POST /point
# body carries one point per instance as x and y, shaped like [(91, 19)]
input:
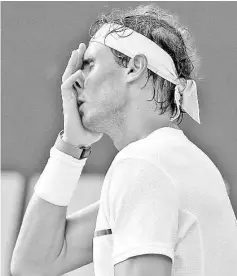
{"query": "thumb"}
[(69, 96), (74, 93)]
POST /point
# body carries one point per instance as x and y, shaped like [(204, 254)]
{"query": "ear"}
[(137, 66)]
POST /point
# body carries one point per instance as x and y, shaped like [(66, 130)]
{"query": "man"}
[(164, 209)]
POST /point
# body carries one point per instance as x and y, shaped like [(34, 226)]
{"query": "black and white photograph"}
[(118, 138)]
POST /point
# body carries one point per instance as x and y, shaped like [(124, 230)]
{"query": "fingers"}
[(77, 76), (67, 85), (75, 61), (81, 51), (70, 67)]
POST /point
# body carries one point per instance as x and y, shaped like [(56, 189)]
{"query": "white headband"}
[(130, 43)]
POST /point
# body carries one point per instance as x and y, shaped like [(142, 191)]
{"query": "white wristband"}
[(58, 181)]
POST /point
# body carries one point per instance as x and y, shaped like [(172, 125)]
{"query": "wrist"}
[(78, 152), (59, 179), (69, 142)]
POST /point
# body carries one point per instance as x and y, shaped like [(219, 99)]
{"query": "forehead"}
[(98, 51)]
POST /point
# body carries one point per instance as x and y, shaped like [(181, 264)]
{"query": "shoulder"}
[(133, 175)]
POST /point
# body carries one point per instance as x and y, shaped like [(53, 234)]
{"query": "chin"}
[(90, 121)]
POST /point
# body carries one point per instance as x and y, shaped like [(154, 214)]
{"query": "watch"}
[(79, 152)]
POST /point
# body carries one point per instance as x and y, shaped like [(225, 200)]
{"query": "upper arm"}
[(149, 265), (77, 250)]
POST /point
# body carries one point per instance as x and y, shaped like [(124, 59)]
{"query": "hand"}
[(74, 132)]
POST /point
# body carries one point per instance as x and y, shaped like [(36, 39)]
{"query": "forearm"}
[(42, 234), (41, 237)]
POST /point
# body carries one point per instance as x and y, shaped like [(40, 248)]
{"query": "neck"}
[(137, 121), (173, 125), (127, 134)]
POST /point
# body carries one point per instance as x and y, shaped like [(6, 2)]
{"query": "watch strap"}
[(78, 152)]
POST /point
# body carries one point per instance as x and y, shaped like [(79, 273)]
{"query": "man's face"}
[(104, 88)]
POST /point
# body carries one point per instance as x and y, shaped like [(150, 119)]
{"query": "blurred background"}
[(37, 41)]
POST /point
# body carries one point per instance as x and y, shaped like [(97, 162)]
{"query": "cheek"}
[(93, 80), (103, 82)]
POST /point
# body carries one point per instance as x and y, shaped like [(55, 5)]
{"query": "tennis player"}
[(164, 209)]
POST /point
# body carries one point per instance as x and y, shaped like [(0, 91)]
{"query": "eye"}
[(88, 65)]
